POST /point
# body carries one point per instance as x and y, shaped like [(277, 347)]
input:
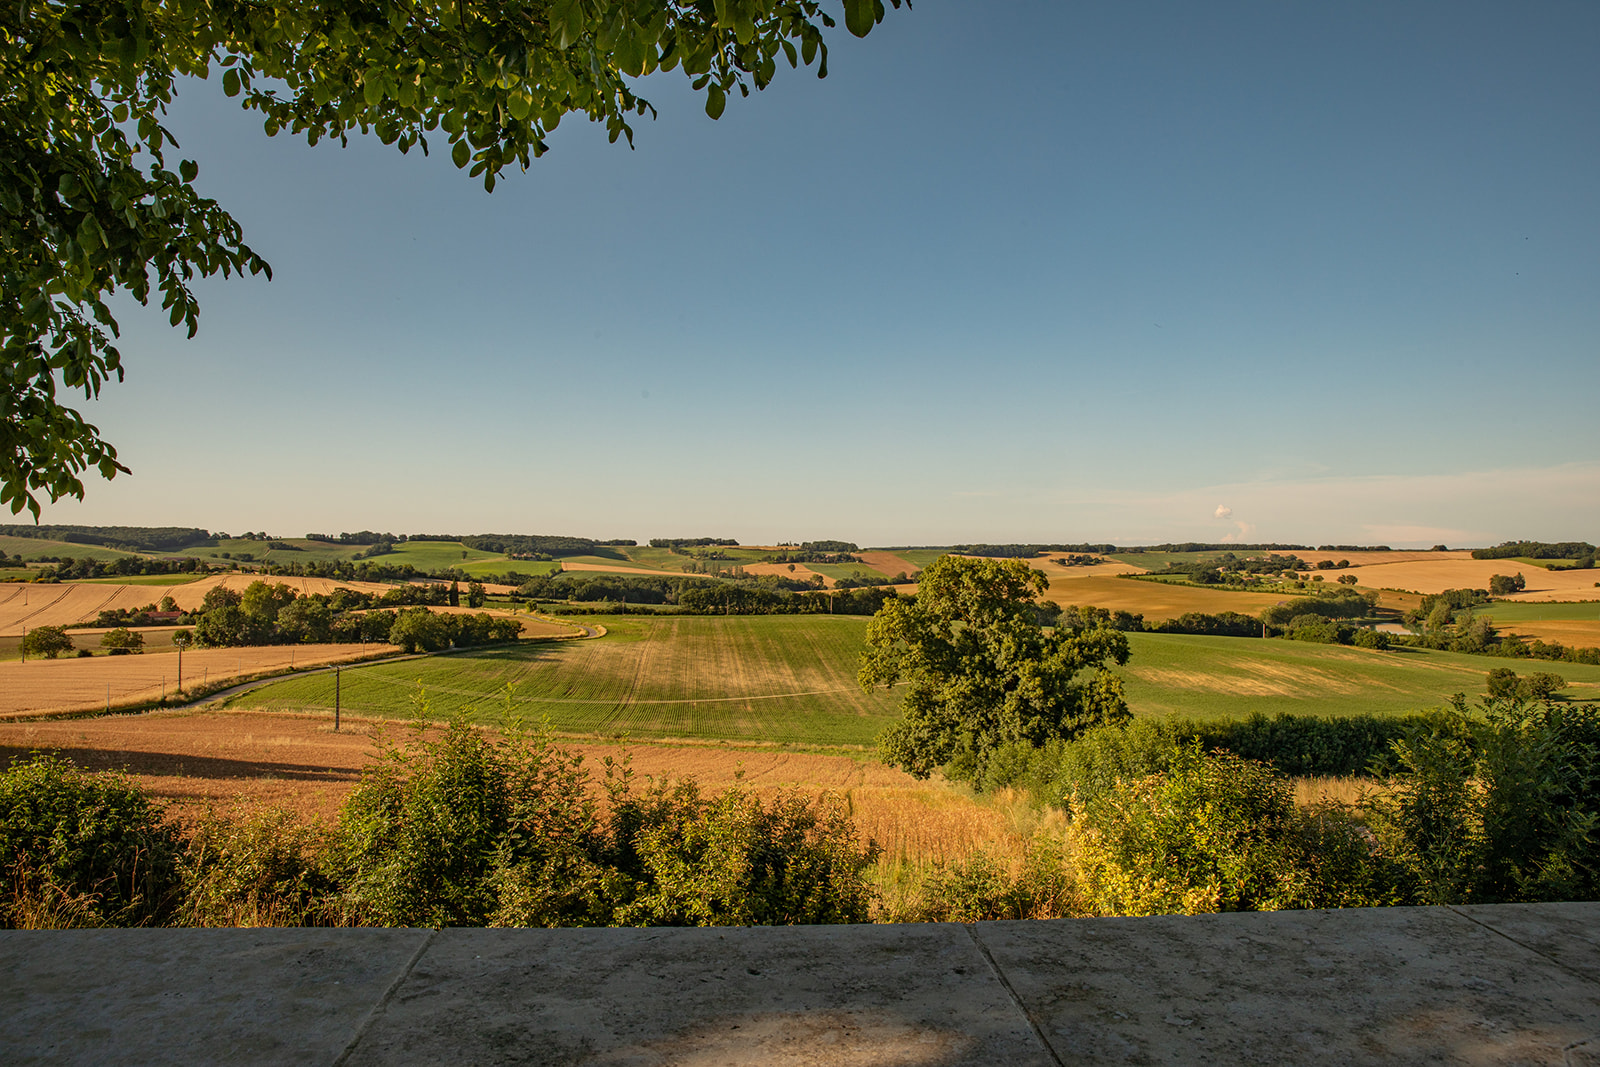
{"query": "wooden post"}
[(335, 699)]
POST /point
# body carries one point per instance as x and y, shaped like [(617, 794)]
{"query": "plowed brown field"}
[(64, 685)]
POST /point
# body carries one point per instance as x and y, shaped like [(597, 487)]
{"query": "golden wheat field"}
[(888, 564), (1435, 576), (788, 570), (1368, 559), (70, 684), (31, 606), (1153, 600), (1577, 633)]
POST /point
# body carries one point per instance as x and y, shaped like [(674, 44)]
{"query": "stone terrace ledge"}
[(1508, 984)]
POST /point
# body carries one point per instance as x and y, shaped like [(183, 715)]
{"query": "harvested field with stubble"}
[(39, 687), (1156, 601), (1437, 575), (775, 679), (31, 606)]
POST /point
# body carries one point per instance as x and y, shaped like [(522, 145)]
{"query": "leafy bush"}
[(731, 860), (1374, 639), (1500, 807), (464, 829), (81, 849), (1309, 745), (1215, 832), (121, 641)]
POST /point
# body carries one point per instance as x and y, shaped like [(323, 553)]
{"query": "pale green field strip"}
[(30, 547), (775, 679), (1232, 677)]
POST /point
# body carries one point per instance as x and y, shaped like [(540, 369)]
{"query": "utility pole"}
[(336, 699)]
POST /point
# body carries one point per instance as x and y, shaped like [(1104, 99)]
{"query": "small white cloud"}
[(1224, 511)]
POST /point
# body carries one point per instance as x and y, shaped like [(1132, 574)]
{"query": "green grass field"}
[(791, 680), (773, 679), (34, 547), (494, 568)]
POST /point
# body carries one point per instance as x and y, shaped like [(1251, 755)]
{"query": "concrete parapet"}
[(1507, 984)]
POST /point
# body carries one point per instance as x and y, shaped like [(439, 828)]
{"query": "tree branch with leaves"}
[(89, 206)]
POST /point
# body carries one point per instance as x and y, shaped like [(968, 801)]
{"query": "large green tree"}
[(90, 207), (981, 672)]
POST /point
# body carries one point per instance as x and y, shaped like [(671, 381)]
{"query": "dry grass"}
[(66, 685), (1310, 792), (608, 568)]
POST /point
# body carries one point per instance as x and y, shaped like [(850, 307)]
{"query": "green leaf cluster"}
[(90, 205)]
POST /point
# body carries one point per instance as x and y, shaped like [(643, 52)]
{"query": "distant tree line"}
[(361, 537), (808, 555), (768, 594), (125, 538), (1576, 550), (68, 569), (1230, 567), (692, 542), (266, 614)]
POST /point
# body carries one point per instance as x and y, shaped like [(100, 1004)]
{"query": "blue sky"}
[(1013, 272)]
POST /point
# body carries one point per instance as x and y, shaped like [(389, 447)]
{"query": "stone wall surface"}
[(1504, 984)]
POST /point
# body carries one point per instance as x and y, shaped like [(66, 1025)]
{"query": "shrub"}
[(1374, 639), (121, 641), (1501, 807), (1215, 832), (731, 860), (81, 849), (462, 829)]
